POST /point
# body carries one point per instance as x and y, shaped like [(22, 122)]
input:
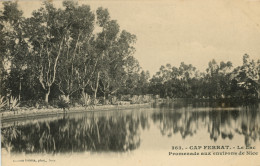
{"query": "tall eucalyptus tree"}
[(74, 70), (48, 32)]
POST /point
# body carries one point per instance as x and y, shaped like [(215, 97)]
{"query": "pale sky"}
[(192, 31)]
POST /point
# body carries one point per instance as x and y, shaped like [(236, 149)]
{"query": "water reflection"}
[(121, 131), (222, 123), (79, 133)]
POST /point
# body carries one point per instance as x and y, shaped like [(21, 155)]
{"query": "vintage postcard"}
[(130, 82)]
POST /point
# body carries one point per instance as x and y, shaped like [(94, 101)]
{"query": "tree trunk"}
[(104, 98), (20, 89), (47, 95), (83, 90), (96, 89)]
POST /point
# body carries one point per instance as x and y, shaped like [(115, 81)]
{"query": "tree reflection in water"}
[(77, 134), (120, 131), (187, 118)]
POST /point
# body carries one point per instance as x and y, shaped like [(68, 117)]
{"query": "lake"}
[(160, 135)]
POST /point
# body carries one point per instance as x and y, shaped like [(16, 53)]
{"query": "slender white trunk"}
[(96, 89), (47, 95)]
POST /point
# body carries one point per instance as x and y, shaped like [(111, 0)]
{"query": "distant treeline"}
[(219, 81), (70, 50)]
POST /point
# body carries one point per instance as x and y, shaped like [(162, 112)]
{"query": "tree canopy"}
[(70, 50)]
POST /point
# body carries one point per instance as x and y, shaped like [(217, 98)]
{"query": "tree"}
[(48, 31), (225, 70), (113, 49), (132, 69), (213, 87), (101, 45), (247, 77), (114, 75), (142, 83), (14, 48), (73, 70), (186, 73)]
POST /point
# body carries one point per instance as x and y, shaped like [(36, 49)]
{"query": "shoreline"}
[(234, 99), (50, 112)]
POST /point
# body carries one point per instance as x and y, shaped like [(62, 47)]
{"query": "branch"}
[(93, 89), (59, 85), (56, 61), (41, 80), (49, 62), (114, 91), (92, 72)]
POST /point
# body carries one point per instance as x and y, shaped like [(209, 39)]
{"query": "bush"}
[(113, 100), (147, 98), (13, 103), (63, 102), (125, 98), (85, 100), (3, 103), (134, 99), (106, 102), (96, 101), (140, 99)]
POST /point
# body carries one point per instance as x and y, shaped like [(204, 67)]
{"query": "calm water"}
[(133, 132)]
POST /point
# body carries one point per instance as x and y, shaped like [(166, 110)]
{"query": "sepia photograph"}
[(130, 82)]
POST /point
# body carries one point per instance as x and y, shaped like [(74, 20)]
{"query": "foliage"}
[(113, 100), (126, 97), (85, 99), (140, 99), (61, 47), (74, 70), (64, 102), (219, 81), (64, 51), (13, 103), (95, 101), (147, 98), (3, 102), (135, 99)]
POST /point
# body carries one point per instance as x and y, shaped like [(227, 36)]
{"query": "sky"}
[(190, 31)]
